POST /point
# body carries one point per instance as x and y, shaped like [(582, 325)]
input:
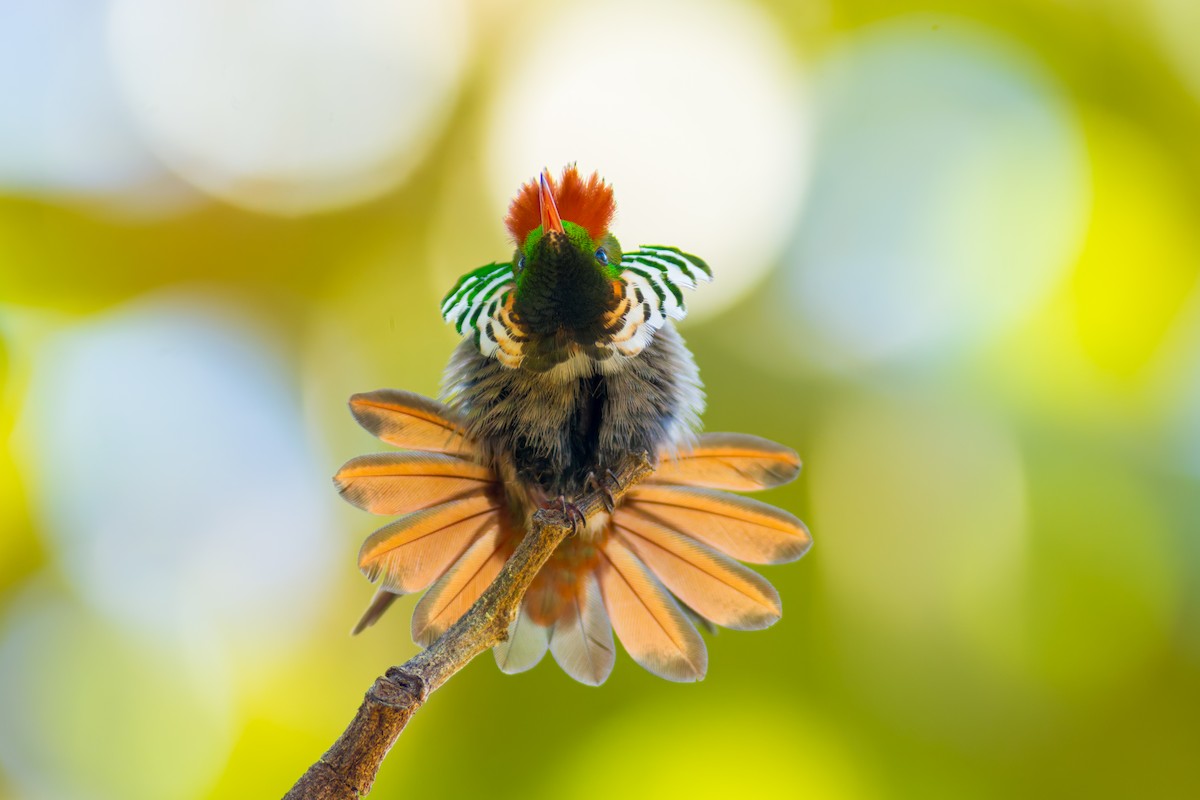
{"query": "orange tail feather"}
[(646, 619)]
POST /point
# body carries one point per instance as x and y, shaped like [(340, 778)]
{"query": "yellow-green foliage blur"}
[(956, 250)]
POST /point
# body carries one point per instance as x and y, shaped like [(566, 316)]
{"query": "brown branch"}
[(348, 769)]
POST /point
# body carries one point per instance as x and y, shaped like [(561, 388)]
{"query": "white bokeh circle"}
[(65, 128), (694, 112), (950, 195), (289, 106), (170, 467)]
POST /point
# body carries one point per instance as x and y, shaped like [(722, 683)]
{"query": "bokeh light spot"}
[(173, 475), (289, 106), (65, 127), (950, 195)]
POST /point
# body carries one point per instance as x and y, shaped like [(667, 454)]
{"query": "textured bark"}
[(348, 769)]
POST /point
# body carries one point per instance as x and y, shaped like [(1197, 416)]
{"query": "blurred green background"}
[(956, 254)]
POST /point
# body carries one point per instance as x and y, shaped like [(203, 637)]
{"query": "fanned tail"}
[(666, 562), (525, 647), (681, 528), (380, 603), (410, 421), (456, 590), (745, 529), (416, 549), (445, 499), (735, 462), (400, 483), (713, 585), (647, 620), (582, 639)]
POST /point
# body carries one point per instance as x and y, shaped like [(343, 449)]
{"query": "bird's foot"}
[(612, 476), (572, 512), (592, 482)]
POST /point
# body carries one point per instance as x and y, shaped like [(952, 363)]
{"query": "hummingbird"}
[(569, 361)]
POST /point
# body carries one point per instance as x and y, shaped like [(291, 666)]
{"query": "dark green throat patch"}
[(564, 287)]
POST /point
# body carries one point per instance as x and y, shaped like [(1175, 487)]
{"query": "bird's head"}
[(569, 288), (566, 263)]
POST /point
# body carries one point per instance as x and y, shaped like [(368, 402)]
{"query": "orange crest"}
[(589, 204)]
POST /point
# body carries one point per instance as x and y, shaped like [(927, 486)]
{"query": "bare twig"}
[(348, 769)]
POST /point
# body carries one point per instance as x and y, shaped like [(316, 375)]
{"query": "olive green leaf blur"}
[(955, 260)]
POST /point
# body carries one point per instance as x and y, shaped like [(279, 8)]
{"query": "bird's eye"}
[(601, 255), (521, 263)]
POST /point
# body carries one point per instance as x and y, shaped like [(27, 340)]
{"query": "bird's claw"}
[(593, 482), (572, 513)]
